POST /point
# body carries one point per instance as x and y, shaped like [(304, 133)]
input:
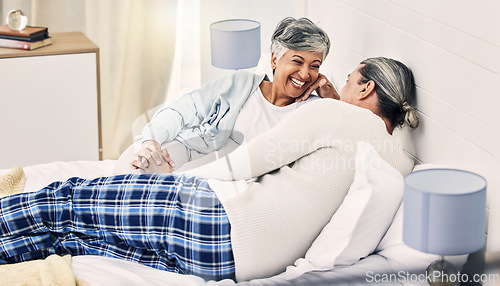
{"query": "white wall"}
[(7, 5), (72, 17), (267, 12), (453, 49)]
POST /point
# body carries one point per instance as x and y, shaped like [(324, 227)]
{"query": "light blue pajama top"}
[(204, 118)]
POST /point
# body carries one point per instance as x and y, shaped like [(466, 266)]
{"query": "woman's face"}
[(295, 71), (352, 88)]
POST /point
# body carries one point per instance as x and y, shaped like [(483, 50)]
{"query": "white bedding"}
[(391, 254)]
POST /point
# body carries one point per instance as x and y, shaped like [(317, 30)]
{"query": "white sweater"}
[(303, 168)]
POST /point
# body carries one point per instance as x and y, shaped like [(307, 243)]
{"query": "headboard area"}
[(454, 51)]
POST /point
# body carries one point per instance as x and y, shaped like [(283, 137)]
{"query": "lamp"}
[(444, 214), (235, 43)]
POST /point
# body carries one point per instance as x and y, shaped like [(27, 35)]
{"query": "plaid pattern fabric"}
[(169, 222)]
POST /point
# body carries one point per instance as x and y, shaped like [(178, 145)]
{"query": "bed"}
[(362, 243), (413, 32)]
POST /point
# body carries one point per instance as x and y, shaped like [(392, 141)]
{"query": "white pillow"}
[(361, 221)]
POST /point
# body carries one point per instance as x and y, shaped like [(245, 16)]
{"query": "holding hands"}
[(152, 158)]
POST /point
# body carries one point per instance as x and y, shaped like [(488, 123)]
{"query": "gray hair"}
[(395, 87), (300, 35)]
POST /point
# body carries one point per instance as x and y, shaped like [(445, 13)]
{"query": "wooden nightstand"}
[(50, 102)]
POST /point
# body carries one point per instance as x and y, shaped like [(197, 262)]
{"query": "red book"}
[(30, 33), (24, 45)]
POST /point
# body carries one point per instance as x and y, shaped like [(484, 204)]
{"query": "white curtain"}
[(136, 40)]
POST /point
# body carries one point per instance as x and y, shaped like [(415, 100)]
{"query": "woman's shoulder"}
[(335, 112), (239, 80), (247, 75), (331, 105), (237, 76)]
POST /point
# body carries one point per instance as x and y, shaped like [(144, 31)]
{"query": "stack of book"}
[(29, 38)]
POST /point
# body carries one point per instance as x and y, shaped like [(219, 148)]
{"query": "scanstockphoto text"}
[(408, 277)]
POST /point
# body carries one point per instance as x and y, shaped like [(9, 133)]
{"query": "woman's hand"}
[(155, 168), (151, 150), (323, 87)]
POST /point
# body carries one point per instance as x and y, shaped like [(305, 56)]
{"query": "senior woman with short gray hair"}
[(231, 111)]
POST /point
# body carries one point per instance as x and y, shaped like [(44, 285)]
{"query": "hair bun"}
[(406, 106), (411, 118)]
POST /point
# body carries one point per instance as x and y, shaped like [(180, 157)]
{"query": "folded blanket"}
[(53, 270), (12, 182)]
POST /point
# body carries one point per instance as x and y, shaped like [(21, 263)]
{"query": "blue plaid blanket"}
[(169, 222)]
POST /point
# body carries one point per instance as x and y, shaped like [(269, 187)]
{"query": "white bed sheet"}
[(108, 271), (113, 272), (40, 175)]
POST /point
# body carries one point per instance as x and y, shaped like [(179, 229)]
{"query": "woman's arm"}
[(304, 131), (214, 105), (187, 111), (169, 120), (166, 123)]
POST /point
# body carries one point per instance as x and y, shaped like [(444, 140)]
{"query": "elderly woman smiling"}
[(231, 111)]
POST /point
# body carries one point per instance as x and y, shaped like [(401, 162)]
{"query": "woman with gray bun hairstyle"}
[(230, 111), (394, 85)]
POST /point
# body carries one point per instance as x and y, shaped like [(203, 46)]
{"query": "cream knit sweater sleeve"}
[(290, 140)]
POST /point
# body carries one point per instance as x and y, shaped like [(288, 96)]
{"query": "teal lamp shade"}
[(444, 211), (235, 43)]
